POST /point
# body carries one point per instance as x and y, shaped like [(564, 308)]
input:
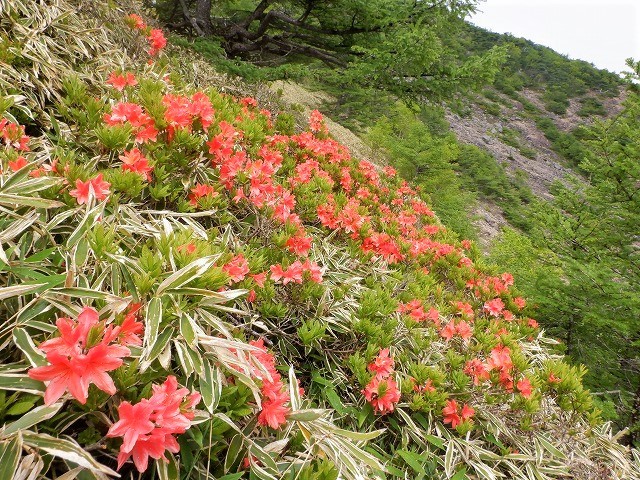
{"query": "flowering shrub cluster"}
[(306, 301), (149, 426), (83, 354)]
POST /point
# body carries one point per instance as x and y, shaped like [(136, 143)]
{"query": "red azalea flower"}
[(237, 268), (449, 330), (500, 359), (464, 330), (524, 387), (119, 82), (260, 278), (427, 387), (18, 163), (382, 394), (494, 307), (476, 370), (553, 378), (134, 422), (467, 412), (520, 302), (94, 188), (382, 365), (157, 41), (450, 413), (137, 21), (75, 373), (273, 414), (134, 161), (300, 245), (200, 191), (148, 427)]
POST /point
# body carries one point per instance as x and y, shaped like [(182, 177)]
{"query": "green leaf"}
[(25, 343), (234, 452), (35, 416), (187, 330), (89, 219), (232, 476), (549, 447), (449, 458), (66, 449), (78, 292), (168, 470), (414, 460), (153, 319), (433, 440), (18, 408), (306, 415), (188, 273), (211, 386), (334, 400), (460, 475), (163, 339), (20, 382), (15, 290), (22, 201), (10, 456)]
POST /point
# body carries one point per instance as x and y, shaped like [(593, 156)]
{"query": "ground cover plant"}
[(192, 289)]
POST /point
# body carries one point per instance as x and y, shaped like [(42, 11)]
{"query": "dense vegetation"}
[(396, 45), (529, 65), (414, 137), (194, 288), (582, 256)]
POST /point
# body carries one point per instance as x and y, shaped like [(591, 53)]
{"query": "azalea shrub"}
[(191, 289)]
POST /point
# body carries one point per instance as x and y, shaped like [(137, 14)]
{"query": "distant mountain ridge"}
[(529, 120)]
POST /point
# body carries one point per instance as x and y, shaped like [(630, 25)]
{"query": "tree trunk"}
[(203, 16)]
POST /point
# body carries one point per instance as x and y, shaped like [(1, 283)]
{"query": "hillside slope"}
[(194, 288)]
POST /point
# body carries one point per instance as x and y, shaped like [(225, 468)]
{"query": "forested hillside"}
[(198, 281)]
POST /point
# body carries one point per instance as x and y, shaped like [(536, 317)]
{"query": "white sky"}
[(603, 32)]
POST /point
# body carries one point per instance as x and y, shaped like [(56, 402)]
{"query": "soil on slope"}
[(293, 94)]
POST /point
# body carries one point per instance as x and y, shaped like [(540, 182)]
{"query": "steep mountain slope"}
[(517, 143), (528, 119), (194, 288)]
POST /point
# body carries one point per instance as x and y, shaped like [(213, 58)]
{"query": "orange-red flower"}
[(494, 307), (382, 365), (134, 161), (237, 268), (454, 415), (120, 81), (450, 413), (200, 191), (156, 41), (382, 394), (18, 163), (73, 364), (148, 427), (524, 387), (476, 370), (94, 188)]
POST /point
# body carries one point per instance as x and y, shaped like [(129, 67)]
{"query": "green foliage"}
[(555, 100), (428, 160), (565, 144), (397, 46), (591, 106), (189, 258), (535, 66), (578, 263)]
